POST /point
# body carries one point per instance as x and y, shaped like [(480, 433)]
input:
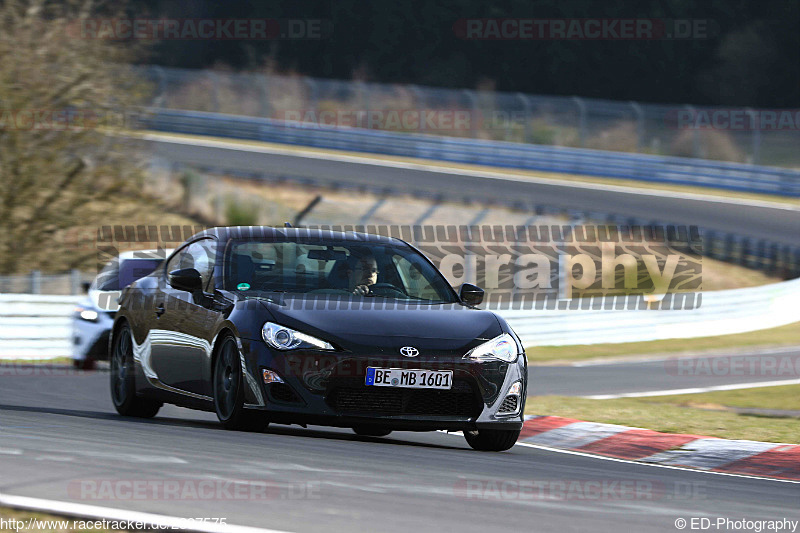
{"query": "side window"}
[(200, 256), (416, 284), (175, 262)]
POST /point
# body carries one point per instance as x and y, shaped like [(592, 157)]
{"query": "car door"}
[(181, 337)]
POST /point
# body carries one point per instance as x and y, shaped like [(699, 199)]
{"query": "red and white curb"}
[(764, 459)]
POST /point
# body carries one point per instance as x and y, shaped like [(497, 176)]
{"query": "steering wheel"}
[(386, 289)]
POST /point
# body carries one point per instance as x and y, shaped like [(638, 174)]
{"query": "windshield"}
[(335, 268), (118, 275)]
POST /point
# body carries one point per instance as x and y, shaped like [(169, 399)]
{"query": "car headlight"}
[(504, 348), (87, 314), (283, 338)]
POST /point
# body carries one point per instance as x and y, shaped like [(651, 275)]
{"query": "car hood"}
[(380, 323)]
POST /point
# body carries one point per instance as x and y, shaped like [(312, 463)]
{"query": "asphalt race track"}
[(61, 439), (757, 221), (594, 378), (59, 435)]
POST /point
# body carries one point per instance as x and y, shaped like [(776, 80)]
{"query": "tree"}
[(62, 98)]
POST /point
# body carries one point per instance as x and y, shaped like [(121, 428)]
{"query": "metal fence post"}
[(266, 108), (695, 132), (36, 282), (74, 281), (363, 97), (756, 134), (581, 120), (214, 90), (526, 104), (419, 103), (637, 109), (473, 100), (158, 101), (313, 95)]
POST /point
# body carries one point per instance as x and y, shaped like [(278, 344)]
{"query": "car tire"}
[(492, 440), (229, 391), (84, 364), (367, 431), (123, 380)]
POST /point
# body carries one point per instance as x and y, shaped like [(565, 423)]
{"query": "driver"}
[(362, 272)]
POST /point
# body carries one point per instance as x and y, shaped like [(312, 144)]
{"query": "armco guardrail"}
[(662, 169), (721, 313), (33, 326)]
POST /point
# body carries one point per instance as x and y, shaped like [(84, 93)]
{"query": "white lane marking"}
[(57, 458), (653, 465), (698, 355), (695, 390), (295, 467), (109, 513), (10, 451), (465, 172), (134, 458)]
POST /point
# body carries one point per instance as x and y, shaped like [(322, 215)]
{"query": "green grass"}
[(55, 361), (783, 336), (785, 397), (674, 414)]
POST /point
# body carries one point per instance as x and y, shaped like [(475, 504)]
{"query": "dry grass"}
[(788, 335)]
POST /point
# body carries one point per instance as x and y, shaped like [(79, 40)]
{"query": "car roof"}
[(307, 235)]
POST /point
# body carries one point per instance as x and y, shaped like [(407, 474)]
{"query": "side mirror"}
[(86, 285), (470, 294), (186, 279)]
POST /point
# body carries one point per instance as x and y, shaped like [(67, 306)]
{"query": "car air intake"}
[(460, 401), (509, 405)]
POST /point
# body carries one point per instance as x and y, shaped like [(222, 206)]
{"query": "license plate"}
[(409, 379)]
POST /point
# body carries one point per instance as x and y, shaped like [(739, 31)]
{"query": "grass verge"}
[(23, 361), (706, 414), (788, 335)]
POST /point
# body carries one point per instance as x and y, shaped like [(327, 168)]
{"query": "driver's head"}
[(362, 269)]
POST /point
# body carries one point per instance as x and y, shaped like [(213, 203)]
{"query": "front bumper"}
[(326, 388), (90, 338)]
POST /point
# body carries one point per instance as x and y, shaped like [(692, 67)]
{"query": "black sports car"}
[(295, 326)]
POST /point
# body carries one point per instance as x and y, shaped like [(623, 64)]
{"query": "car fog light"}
[(516, 388), (271, 377)]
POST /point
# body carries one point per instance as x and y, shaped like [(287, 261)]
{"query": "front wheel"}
[(123, 380), (492, 440), (229, 391)]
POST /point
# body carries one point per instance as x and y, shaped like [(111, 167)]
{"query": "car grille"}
[(509, 405), (460, 401)]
